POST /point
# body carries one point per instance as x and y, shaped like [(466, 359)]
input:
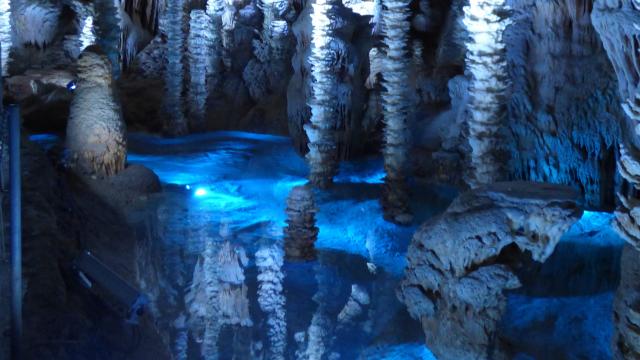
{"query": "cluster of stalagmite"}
[(486, 63), (618, 24), (396, 104), (301, 232), (171, 23), (458, 263), (200, 61), (96, 134), (322, 156)]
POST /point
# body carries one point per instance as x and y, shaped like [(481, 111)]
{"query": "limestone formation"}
[(36, 23), (459, 263), (617, 24), (396, 106), (486, 62), (96, 134), (323, 151), (200, 60), (171, 23), (301, 232)]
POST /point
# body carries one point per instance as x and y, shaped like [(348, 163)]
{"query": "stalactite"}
[(200, 46), (269, 260), (396, 104), (486, 21), (322, 156), (171, 24), (301, 231), (214, 10), (108, 27), (36, 23), (96, 135)]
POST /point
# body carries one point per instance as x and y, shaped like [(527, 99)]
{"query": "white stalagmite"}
[(233, 301), (396, 102), (171, 24), (214, 11), (269, 260), (486, 63), (96, 134), (200, 61), (322, 156)]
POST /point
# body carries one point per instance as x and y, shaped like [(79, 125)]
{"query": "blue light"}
[(71, 86), (201, 192), (188, 187)]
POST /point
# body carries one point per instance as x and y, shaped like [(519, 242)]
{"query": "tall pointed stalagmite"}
[(396, 102), (486, 63), (322, 156)]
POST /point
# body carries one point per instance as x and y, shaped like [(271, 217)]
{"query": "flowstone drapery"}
[(486, 21), (396, 106)]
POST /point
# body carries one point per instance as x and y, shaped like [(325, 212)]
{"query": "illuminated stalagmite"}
[(172, 25), (486, 63), (458, 264), (396, 109), (200, 61), (96, 134), (617, 23), (322, 156)]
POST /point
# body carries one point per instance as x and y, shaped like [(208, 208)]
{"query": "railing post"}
[(16, 231)]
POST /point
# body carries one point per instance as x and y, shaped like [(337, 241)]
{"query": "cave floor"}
[(241, 181)]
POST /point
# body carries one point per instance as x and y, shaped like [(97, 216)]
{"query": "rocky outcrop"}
[(459, 264), (96, 134), (301, 232)]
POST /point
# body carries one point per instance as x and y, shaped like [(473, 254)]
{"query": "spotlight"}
[(71, 86), (201, 192), (188, 187)]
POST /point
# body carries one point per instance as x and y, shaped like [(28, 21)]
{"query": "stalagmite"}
[(171, 23), (85, 35), (301, 232), (486, 63), (396, 105), (228, 28), (459, 263), (96, 134), (322, 156), (200, 61)]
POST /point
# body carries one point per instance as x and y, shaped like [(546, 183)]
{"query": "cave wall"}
[(564, 112)]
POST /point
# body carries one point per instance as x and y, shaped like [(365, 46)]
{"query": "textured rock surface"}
[(563, 107), (459, 263), (626, 307), (96, 134), (301, 232)]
